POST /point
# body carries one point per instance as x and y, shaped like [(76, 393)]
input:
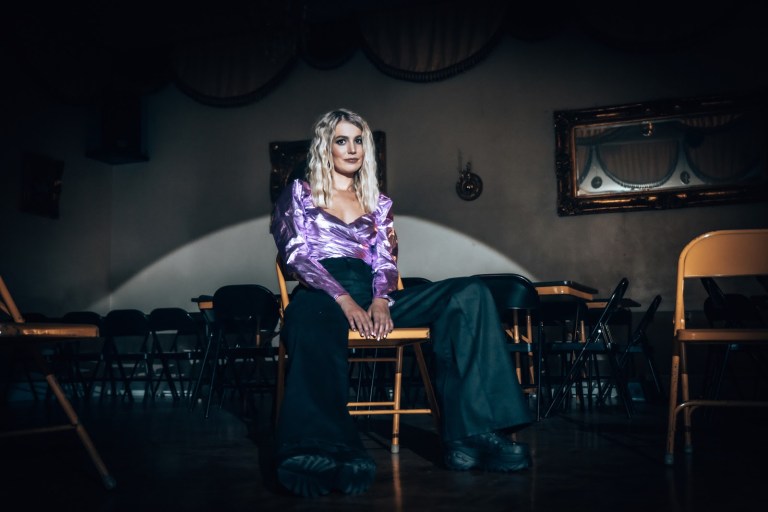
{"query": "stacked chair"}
[(126, 354), (245, 319), (583, 361), (177, 346)]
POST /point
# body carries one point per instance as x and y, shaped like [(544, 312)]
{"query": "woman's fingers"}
[(356, 316), (374, 323), (382, 321)]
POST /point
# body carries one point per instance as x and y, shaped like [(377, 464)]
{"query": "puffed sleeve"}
[(384, 265), (289, 230)]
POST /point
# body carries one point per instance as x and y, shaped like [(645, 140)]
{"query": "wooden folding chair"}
[(727, 253), (396, 341), (30, 338)]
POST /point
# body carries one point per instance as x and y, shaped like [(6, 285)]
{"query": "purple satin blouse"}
[(306, 234)]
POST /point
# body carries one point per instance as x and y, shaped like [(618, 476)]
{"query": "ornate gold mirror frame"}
[(662, 154)]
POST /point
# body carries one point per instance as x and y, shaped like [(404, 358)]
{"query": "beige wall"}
[(194, 216)]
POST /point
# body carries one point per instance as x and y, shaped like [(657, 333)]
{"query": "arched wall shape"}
[(245, 253)]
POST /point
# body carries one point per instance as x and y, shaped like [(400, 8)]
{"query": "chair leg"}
[(539, 372), (652, 370), (429, 391), (672, 415), (685, 397), (397, 389), (214, 364), (280, 384), (575, 369), (195, 393), (165, 371), (621, 384), (107, 479)]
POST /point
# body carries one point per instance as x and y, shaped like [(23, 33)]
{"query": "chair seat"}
[(407, 334), (722, 335), (48, 330)]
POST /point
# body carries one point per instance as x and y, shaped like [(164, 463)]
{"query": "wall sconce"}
[(470, 186)]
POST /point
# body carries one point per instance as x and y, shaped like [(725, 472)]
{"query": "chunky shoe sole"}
[(355, 474), (464, 460), (308, 475), (501, 466)]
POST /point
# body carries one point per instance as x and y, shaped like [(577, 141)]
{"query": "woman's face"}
[(347, 148)]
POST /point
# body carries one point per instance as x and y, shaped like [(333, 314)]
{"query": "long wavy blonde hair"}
[(320, 158)]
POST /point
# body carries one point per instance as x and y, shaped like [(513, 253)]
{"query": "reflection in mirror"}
[(661, 155)]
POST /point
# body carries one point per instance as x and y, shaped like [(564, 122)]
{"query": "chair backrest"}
[(726, 253), (126, 322), (246, 305), (175, 323), (642, 326), (126, 331), (410, 282), (510, 292), (601, 329), (172, 319), (83, 317), (282, 282)]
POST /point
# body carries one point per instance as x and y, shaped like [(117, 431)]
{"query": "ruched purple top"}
[(306, 234)]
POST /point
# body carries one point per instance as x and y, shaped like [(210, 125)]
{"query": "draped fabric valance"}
[(432, 41), (233, 52), (417, 41)]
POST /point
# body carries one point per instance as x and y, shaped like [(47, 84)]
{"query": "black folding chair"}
[(177, 356), (85, 356), (245, 319), (638, 344), (728, 310), (517, 303), (126, 351), (599, 341)]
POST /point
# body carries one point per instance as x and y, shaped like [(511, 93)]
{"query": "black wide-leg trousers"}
[(475, 380)]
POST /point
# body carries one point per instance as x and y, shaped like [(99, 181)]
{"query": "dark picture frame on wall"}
[(289, 161), (662, 154)]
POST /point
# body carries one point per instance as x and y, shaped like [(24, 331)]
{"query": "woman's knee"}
[(470, 285)]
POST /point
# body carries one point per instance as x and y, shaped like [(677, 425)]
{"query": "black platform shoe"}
[(308, 472), (490, 451), (356, 471)]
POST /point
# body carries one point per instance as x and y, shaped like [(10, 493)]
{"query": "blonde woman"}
[(335, 234)]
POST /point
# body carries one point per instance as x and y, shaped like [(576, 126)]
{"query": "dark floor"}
[(166, 457)]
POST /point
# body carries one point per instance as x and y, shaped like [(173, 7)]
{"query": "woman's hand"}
[(382, 321), (374, 323), (358, 318)]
